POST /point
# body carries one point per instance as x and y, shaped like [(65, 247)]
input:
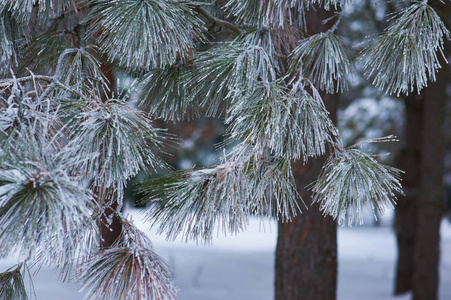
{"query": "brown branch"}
[(217, 21)]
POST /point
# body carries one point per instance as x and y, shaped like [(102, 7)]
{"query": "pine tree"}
[(70, 142)]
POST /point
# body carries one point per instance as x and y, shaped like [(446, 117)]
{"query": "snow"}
[(241, 267)]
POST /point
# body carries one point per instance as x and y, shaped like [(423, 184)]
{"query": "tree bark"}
[(419, 214), (306, 255), (110, 224), (431, 200), (409, 161)]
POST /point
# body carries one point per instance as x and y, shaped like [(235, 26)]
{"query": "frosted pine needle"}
[(47, 9), (165, 91), (196, 203), (324, 59), (12, 285), (127, 273), (271, 13), (328, 4), (276, 13), (145, 34), (229, 71), (352, 179), (404, 57), (8, 35), (226, 71), (124, 140), (292, 124), (39, 192), (130, 270)]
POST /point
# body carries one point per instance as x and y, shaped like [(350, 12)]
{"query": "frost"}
[(292, 124), (132, 31), (324, 59), (406, 55), (351, 179), (133, 272)]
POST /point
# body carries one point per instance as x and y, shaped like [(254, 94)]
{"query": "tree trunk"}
[(409, 161), (306, 255), (431, 200), (110, 224), (419, 214)]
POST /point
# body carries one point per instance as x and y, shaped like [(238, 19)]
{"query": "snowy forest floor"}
[(242, 267)]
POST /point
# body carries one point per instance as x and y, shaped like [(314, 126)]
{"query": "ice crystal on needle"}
[(406, 55), (196, 203), (129, 270), (324, 59), (351, 179), (291, 124), (44, 198)]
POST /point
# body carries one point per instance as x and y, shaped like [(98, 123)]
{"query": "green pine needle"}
[(324, 59), (12, 286), (352, 179), (404, 57), (291, 124), (123, 139), (145, 34)]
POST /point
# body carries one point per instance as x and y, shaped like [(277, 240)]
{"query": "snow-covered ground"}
[(242, 267)]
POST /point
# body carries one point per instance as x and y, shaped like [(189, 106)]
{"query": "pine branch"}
[(9, 82), (405, 56), (167, 94), (54, 83), (142, 35), (267, 13), (324, 59), (12, 285), (216, 77), (73, 76), (351, 179), (9, 40), (133, 271), (38, 188), (124, 139), (291, 124), (128, 273), (196, 203), (216, 21)]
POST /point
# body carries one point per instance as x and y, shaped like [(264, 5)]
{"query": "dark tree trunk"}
[(431, 200), (306, 255), (110, 224), (409, 161), (419, 214)]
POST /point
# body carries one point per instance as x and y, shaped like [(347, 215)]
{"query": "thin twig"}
[(5, 83), (217, 21), (335, 26), (71, 90), (59, 64), (385, 139)]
